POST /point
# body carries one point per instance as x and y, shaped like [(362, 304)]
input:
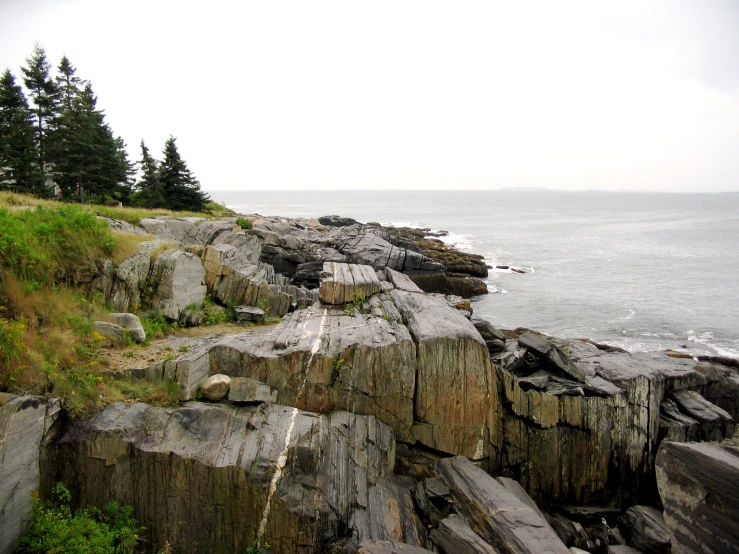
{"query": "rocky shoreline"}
[(380, 415)]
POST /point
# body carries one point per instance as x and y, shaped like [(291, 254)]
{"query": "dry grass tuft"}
[(126, 245)]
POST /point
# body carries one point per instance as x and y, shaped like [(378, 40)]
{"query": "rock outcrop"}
[(23, 422), (582, 424), (213, 478), (699, 486)]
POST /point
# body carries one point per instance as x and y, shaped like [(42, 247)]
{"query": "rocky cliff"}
[(373, 416)]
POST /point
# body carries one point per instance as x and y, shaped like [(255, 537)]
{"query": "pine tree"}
[(43, 94), (89, 161), (149, 192), (18, 156), (180, 188)]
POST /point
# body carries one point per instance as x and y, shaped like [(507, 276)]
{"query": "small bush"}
[(157, 326), (55, 527), (244, 223)]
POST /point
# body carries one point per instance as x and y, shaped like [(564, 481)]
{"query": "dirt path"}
[(123, 357)]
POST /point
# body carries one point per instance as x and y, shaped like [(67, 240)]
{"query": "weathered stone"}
[(199, 476), (324, 359), (129, 289), (123, 226), (646, 530), (179, 281), (345, 283), (456, 402), (132, 324), (249, 313), (496, 515), (715, 423), (250, 390), (699, 487), (216, 387), (110, 331), (23, 421), (571, 532), (389, 547), (675, 425), (401, 281), (487, 331), (337, 221), (599, 447), (549, 351), (191, 318), (454, 535)]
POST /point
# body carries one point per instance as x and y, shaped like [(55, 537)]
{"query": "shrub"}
[(244, 223), (55, 527)]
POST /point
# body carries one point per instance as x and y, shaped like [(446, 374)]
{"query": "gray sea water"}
[(639, 270)]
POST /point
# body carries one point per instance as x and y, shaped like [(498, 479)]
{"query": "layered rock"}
[(582, 424), (699, 487), (234, 275), (213, 478), (23, 422), (405, 357), (494, 514), (345, 283)]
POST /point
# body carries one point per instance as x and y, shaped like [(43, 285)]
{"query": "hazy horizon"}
[(576, 95)]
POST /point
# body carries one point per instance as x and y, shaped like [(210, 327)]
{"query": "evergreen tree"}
[(18, 156), (89, 161), (43, 94), (149, 192), (180, 188)]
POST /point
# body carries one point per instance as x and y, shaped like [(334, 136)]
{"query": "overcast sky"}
[(620, 95)]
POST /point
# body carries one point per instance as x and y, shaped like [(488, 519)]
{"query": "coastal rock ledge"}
[(379, 417)]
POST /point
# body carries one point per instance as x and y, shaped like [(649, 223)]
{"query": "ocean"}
[(643, 271)]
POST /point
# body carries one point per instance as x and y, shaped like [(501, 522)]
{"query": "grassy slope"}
[(47, 345)]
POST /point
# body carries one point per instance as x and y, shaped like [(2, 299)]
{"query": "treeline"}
[(60, 145)]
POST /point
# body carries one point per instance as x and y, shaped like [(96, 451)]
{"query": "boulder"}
[(497, 516), (345, 283), (110, 331), (214, 477), (216, 387), (249, 314), (178, 280), (646, 530), (699, 487), (337, 221), (132, 324)]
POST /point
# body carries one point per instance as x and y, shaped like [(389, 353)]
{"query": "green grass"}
[(49, 246)]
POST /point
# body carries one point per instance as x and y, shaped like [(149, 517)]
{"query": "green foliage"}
[(244, 223), (180, 188), (18, 157), (46, 246), (55, 527), (157, 326), (43, 92)]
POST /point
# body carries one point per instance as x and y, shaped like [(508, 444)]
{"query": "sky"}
[(404, 94)]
